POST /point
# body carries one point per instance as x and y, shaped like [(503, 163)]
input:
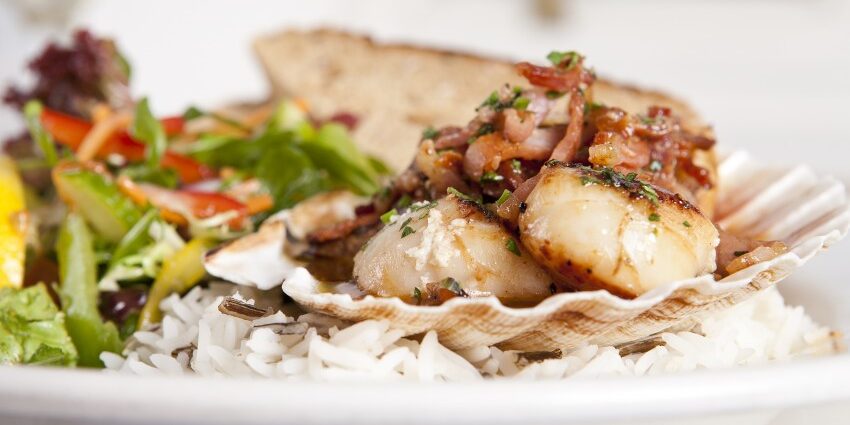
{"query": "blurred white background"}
[(773, 76)]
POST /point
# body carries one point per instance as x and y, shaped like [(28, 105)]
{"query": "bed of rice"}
[(194, 337)]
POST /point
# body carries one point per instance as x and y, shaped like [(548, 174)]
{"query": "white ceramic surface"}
[(746, 396)]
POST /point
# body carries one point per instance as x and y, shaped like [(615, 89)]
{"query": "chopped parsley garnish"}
[(417, 295), (498, 103), (516, 166), (406, 231), (654, 217), (511, 245), (589, 180), (423, 206), (506, 194), (521, 103), (453, 285), (686, 223), (404, 201), (492, 100), (485, 128), (592, 106), (740, 253), (557, 58), (430, 133), (388, 216), (553, 94), (490, 177), (646, 120), (460, 195), (610, 177), (655, 165)]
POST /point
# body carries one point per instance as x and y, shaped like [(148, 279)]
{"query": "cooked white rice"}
[(194, 337)]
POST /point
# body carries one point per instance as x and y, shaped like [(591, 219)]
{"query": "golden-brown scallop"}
[(597, 229), (450, 238)]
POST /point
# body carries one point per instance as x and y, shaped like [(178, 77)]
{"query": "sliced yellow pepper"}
[(12, 225), (179, 273)]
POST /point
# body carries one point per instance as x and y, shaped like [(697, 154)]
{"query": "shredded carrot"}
[(259, 203), (137, 195), (100, 112), (100, 134), (129, 188)]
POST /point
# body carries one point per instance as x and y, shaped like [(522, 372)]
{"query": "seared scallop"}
[(598, 229), (449, 244)]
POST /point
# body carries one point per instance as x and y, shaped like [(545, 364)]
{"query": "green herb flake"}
[(646, 120), (610, 177), (568, 59), (686, 223), (417, 295), (654, 217), (592, 106), (149, 130), (649, 193), (430, 133), (511, 245), (387, 217), (521, 103), (491, 100), (506, 194), (491, 177), (453, 285), (423, 206), (406, 231), (553, 94), (588, 180), (404, 201), (516, 166), (460, 195), (485, 128)]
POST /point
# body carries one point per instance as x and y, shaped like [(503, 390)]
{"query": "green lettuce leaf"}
[(32, 330)]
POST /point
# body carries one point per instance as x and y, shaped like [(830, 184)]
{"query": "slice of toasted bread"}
[(399, 90)]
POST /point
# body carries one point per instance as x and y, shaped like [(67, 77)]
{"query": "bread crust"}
[(397, 90)]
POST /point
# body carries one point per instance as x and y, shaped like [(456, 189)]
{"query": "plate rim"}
[(40, 392)]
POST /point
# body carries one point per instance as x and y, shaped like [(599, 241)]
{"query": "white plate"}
[(751, 396)]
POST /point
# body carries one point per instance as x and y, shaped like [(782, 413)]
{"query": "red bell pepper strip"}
[(70, 131), (175, 204)]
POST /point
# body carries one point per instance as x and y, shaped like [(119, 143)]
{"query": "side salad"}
[(106, 209)]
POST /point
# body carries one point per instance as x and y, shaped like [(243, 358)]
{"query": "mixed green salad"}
[(106, 209)]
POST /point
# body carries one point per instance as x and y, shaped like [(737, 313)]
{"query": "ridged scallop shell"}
[(807, 212)]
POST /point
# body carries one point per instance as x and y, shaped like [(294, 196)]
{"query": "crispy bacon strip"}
[(556, 79), (567, 148)]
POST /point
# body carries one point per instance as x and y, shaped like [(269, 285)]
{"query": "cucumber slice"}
[(97, 199)]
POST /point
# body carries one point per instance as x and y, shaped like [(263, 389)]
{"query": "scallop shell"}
[(807, 212)]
